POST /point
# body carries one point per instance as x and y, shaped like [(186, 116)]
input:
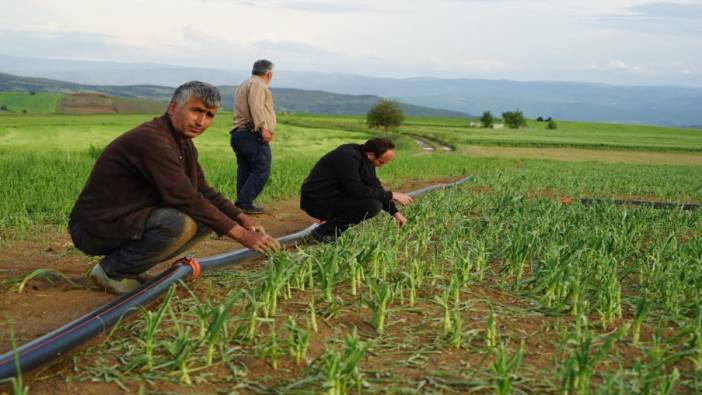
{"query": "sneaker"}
[(115, 286), (252, 210)]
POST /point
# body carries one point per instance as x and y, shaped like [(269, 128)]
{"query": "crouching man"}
[(147, 200), (343, 188)]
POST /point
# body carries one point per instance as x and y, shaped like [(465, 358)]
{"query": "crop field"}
[(16, 102), (457, 132), (506, 284), (82, 103), (56, 153)]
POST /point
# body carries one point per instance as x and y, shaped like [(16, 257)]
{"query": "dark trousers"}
[(167, 233), (253, 160), (340, 215)]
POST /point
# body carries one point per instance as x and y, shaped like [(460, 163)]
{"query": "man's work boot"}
[(115, 286), (144, 277), (322, 238)]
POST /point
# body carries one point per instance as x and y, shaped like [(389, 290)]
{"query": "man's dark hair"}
[(207, 93), (378, 146), (261, 67)]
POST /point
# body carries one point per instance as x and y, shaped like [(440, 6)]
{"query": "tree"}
[(487, 119), (386, 114), (540, 119), (551, 125), (514, 119)]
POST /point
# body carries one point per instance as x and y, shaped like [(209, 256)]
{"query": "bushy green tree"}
[(487, 119), (386, 114), (514, 119), (551, 125)]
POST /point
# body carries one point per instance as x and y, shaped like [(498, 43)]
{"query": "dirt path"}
[(587, 155), (430, 145)]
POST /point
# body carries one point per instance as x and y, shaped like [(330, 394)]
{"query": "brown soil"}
[(588, 155), (45, 305), (86, 103), (411, 351), (98, 103)]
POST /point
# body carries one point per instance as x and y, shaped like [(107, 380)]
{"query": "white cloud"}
[(646, 40), (617, 65)]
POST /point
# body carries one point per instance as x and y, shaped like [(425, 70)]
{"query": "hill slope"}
[(292, 100), (75, 103), (661, 105), (25, 102)]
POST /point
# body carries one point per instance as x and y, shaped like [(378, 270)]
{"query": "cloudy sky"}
[(611, 41)]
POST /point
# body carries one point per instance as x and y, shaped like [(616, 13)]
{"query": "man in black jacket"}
[(343, 189)]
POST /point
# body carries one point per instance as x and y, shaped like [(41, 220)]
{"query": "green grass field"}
[(500, 286), (53, 152), (457, 132), (19, 102)]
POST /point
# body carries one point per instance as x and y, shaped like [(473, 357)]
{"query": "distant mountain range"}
[(292, 100), (662, 105)]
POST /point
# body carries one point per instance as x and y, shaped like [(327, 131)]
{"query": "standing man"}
[(147, 200), (254, 125), (343, 189)]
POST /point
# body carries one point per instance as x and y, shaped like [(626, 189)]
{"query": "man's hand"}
[(401, 198), (266, 135), (249, 224), (400, 219), (260, 242)]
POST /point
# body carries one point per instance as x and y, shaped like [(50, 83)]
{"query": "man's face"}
[(192, 118), (382, 159)]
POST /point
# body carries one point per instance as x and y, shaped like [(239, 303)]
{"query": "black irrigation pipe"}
[(645, 203), (43, 349)]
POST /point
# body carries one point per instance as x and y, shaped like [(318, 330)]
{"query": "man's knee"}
[(171, 225)]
